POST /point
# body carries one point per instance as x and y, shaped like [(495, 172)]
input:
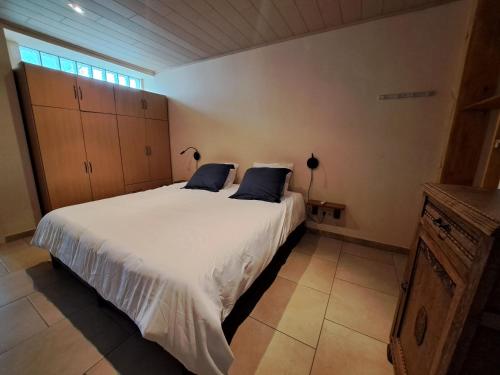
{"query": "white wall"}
[(319, 94)]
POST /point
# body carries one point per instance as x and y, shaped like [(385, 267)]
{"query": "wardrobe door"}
[(132, 131), (51, 88), (96, 96), (102, 144), (157, 139), (62, 149), (155, 106), (129, 102)]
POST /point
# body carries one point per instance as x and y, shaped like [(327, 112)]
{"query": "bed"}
[(174, 260)]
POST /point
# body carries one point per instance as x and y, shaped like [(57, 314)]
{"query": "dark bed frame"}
[(245, 303)]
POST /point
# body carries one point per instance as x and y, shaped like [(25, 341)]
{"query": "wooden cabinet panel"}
[(51, 88), (155, 106), (129, 102), (425, 323), (157, 138), (96, 96), (62, 149), (103, 154), (132, 131)]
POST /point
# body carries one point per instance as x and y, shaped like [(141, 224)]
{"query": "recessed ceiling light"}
[(77, 8)]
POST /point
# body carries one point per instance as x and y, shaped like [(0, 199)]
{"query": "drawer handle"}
[(420, 326), (444, 227)]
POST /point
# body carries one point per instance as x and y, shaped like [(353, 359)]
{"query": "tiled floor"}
[(329, 311)]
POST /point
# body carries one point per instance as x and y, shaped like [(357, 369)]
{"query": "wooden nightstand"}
[(335, 208)]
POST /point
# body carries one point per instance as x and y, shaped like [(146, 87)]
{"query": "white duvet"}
[(174, 260)]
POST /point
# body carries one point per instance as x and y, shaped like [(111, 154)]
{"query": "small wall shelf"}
[(336, 208), (485, 104)]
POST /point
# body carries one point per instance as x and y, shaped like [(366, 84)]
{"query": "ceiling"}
[(158, 34)]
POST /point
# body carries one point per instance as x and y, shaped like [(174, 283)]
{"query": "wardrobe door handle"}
[(74, 92), (86, 167), (80, 90), (90, 164), (146, 150), (150, 151)]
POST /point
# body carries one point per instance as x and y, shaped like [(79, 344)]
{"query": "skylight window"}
[(97, 73), (33, 56), (111, 77), (29, 55), (68, 66)]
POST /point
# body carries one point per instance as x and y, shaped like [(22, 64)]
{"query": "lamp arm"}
[(194, 148)]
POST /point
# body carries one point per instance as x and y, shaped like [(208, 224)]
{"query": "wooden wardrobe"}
[(90, 139)]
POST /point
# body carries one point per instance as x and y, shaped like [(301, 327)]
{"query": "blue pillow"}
[(263, 184), (209, 177)]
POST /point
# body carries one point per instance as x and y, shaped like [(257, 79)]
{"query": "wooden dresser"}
[(448, 316), (90, 139)]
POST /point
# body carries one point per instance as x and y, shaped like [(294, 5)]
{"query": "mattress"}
[(174, 260)]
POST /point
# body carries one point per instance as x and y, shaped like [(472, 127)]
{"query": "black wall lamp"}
[(196, 154), (312, 162)]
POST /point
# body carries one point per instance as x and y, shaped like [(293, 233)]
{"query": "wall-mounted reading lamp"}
[(196, 154), (312, 163)]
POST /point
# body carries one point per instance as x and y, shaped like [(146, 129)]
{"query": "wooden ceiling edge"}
[(311, 33), (61, 43)]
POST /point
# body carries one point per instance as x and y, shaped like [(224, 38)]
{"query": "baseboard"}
[(18, 236), (360, 241)]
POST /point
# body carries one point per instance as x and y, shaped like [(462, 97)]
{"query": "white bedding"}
[(174, 260)]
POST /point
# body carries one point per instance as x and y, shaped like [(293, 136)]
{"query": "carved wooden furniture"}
[(90, 139), (448, 316)]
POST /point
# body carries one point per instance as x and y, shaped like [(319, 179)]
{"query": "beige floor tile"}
[(259, 349), (319, 246), (138, 356), (361, 309), (368, 273), (27, 239), (309, 271), (22, 283), (3, 270), (19, 321), (103, 367), (60, 349), (308, 243), (60, 301), (368, 252), (400, 261), (293, 309), (345, 352), (67, 347), (19, 255)]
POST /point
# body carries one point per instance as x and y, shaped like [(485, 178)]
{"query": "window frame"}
[(77, 64)]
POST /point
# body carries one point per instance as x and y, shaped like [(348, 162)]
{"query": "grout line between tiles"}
[(284, 333), (352, 329), (306, 286), (367, 287), (27, 338), (38, 312), (327, 304)]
